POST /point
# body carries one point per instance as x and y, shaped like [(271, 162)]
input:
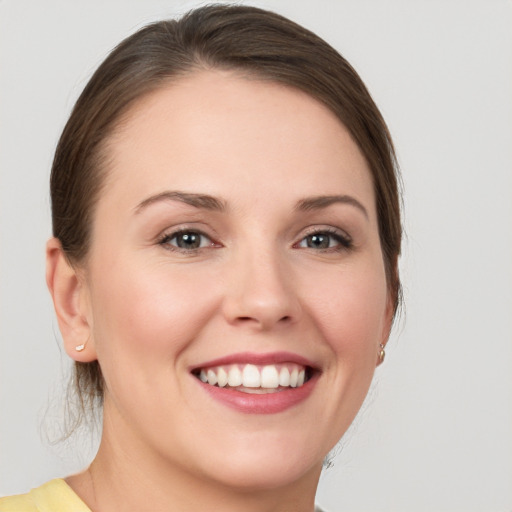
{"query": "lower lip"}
[(268, 403)]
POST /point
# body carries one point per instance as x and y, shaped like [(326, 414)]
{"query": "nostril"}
[(286, 318)]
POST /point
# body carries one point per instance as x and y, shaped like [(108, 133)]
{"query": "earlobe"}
[(69, 296)]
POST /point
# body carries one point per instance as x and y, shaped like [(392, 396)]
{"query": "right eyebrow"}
[(203, 201)]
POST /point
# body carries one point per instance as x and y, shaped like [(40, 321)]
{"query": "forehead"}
[(220, 133)]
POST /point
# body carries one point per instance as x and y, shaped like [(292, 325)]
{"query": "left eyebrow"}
[(319, 202), (203, 201)]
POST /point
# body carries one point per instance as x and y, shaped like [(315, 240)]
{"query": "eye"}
[(186, 240), (325, 239)]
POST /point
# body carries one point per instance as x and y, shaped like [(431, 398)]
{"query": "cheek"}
[(153, 313), (351, 312)]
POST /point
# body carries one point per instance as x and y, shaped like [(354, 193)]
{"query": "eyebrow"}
[(208, 202), (319, 202), (203, 201)]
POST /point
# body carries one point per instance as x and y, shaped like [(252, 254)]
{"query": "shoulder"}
[(21, 503), (54, 495)]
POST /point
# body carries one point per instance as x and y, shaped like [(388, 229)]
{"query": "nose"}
[(260, 292)]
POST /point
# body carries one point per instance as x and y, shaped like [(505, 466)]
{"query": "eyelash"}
[(342, 241)]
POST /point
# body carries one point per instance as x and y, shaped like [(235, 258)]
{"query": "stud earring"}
[(79, 348), (382, 353)]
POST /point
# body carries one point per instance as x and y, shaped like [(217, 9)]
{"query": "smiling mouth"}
[(255, 379)]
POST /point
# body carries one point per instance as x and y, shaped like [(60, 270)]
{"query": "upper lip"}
[(256, 359)]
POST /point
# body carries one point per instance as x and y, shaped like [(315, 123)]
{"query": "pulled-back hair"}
[(253, 41)]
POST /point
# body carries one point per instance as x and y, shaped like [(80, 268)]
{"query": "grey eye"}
[(318, 241), (189, 240), (324, 240), (186, 240)]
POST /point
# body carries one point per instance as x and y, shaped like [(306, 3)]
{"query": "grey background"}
[(436, 432)]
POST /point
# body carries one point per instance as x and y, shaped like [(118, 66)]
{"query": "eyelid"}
[(311, 230), (183, 227)]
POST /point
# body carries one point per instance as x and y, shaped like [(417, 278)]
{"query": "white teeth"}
[(293, 378), (222, 377), (251, 377), (234, 377), (284, 377), (269, 377), (212, 377)]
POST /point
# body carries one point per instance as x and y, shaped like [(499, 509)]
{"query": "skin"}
[(149, 311)]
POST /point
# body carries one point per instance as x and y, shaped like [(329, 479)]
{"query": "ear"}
[(71, 303)]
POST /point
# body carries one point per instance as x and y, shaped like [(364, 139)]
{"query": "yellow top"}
[(54, 496)]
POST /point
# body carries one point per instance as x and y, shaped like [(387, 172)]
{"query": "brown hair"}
[(254, 41)]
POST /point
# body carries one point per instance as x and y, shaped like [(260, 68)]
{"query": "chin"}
[(249, 476), (263, 465)]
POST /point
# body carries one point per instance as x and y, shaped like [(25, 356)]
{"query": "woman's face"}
[(235, 240)]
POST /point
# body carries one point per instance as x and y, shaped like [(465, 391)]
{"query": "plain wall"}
[(436, 433)]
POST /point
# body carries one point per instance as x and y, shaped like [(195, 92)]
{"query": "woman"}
[(224, 263)]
